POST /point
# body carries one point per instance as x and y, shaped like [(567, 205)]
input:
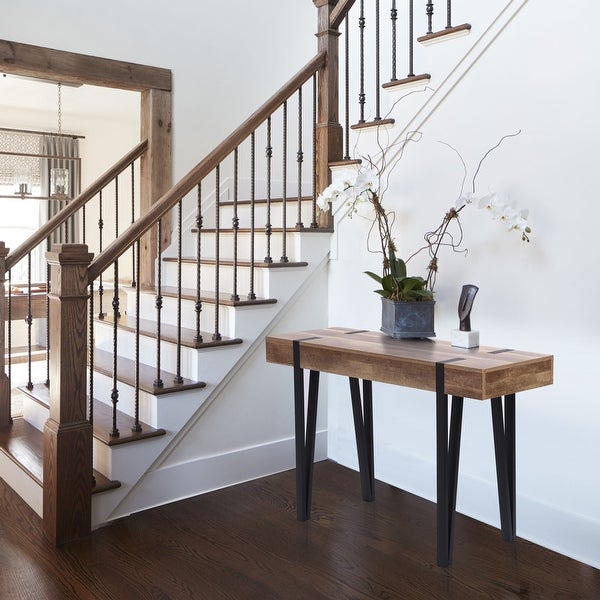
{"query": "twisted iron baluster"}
[(347, 85), (198, 304), (116, 280), (100, 284), (216, 335), (158, 382), (83, 223), (136, 427), (29, 321), (178, 378), (429, 11), (284, 257), (314, 224), (47, 303), (449, 15), (394, 19), (300, 160), (9, 340), (268, 227), (251, 294), (377, 65), (362, 95), (133, 270), (91, 356), (115, 391), (235, 223), (411, 57)]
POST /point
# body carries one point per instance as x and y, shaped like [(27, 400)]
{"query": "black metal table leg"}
[(363, 427), (448, 453), (305, 434), (503, 422)]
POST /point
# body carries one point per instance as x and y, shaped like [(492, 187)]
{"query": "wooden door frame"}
[(154, 83)]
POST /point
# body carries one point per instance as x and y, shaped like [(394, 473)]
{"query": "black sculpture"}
[(465, 304)]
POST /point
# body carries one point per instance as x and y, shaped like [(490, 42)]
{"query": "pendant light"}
[(59, 176)]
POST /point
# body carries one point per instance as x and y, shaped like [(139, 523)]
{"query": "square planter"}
[(407, 319)]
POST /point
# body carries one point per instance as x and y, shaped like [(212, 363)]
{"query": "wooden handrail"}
[(57, 220), (338, 14), (201, 170)]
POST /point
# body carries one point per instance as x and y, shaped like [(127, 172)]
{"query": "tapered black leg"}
[(305, 434), (503, 422), (448, 453), (363, 428)]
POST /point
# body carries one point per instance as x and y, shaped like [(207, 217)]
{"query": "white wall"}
[(540, 76)]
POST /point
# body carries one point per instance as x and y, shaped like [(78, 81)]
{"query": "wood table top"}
[(480, 373)]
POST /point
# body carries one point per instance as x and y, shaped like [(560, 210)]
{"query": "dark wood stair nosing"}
[(241, 263), (207, 297)]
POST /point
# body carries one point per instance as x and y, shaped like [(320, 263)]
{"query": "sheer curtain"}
[(68, 147)]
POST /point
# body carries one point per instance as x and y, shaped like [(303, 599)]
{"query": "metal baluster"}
[(216, 335), (158, 382), (29, 321), (284, 257), (9, 341), (235, 223), (449, 15), (300, 160), (100, 235), (91, 356), (411, 72), (116, 280), (251, 294), (268, 228), (47, 303), (377, 65), (178, 378), (133, 248), (429, 11), (198, 304), (347, 85), (362, 95), (83, 223), (114, 396), (394, 19), (136, 427), (314, 224)]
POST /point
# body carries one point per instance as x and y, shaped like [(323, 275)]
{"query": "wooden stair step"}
[(289, 200), (261, 230), (102, 419), (103, 363), (24, 445), (20, 354), (208, 297), (241, 263), (168, 333)]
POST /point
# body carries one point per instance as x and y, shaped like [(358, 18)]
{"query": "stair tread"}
[(241, 263), (261, 230), (168, 332), (103, 363), (208, 297), (102, 419), (24, 444), (289, 199)]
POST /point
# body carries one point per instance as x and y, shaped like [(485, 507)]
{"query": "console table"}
[(480, 373)]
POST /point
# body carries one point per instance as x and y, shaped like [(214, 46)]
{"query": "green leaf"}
[(374, 276)]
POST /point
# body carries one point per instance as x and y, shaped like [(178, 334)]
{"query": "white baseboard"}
[(209, 473), (573, 535), (21, 483)]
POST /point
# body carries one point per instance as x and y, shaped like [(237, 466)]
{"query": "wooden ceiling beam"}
[(69, 67)]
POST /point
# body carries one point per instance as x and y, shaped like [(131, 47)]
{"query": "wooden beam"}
[(155, 174), (69, 67)]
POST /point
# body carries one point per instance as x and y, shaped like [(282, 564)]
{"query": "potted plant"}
[(408, 300)]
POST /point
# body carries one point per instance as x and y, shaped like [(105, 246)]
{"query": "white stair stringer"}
[(143, 467)]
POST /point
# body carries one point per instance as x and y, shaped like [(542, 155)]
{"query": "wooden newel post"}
[(4, 384), (329, 131), (67, 432)]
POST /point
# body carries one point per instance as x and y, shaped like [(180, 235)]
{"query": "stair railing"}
[(31, 301)]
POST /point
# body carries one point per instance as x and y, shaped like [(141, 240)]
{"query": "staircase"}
[(176, 370)]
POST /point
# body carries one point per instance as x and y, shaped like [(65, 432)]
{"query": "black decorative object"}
[(464, 337)]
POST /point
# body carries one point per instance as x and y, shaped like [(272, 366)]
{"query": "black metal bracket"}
[(305, 431)]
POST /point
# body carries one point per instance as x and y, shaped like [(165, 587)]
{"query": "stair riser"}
[(227, 243)]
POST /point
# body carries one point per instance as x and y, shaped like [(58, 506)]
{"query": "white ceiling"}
[(84, 101)]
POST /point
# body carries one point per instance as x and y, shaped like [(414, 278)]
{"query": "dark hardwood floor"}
[(244, 542)]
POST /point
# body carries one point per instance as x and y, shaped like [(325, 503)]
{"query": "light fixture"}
[(59, 176)]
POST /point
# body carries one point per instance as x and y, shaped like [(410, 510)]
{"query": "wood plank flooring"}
[(244, 543)]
